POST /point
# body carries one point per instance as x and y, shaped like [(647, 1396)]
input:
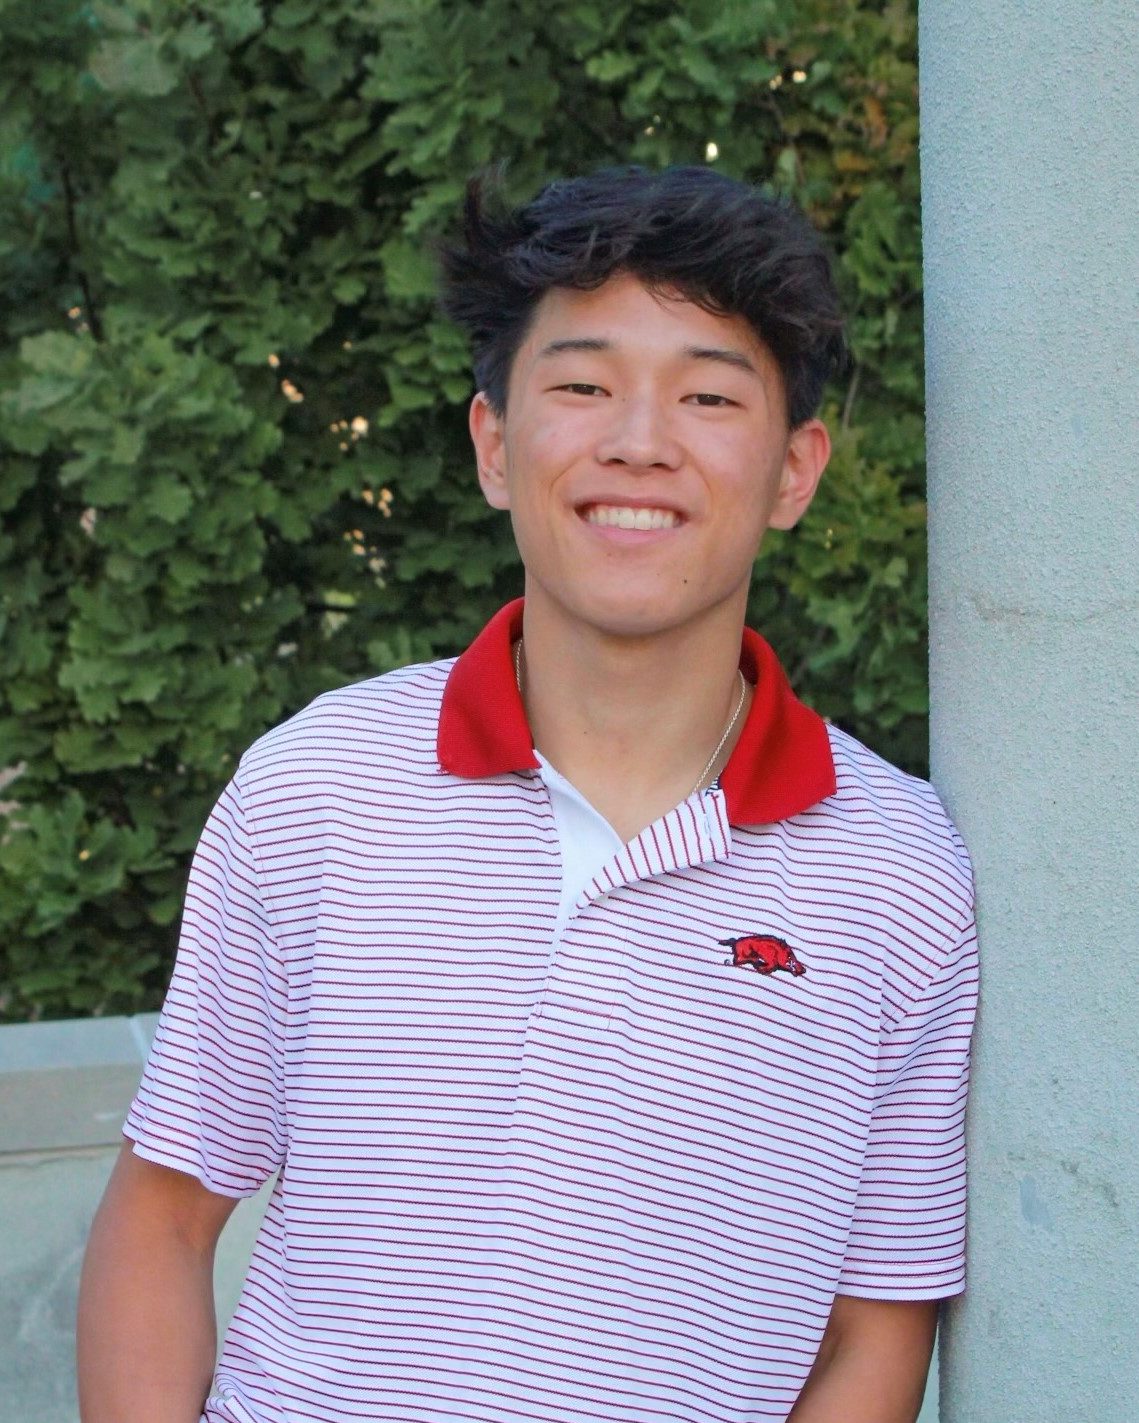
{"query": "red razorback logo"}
[(765, 953)]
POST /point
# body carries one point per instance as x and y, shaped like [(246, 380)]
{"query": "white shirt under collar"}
[(586, 838)]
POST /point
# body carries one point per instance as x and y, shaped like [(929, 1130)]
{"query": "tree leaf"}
[(133, 65)]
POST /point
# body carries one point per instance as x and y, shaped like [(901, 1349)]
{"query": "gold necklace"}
[(727, 732), (719, 745)]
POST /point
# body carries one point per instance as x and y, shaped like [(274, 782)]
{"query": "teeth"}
[(617, 516)]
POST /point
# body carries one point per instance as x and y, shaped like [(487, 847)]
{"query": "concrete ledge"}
[(65, 1088), (64, 1084)]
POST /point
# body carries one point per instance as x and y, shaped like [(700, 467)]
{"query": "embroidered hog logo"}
[(765, 953)]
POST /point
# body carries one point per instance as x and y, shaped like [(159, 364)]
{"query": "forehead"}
[(629, 316)]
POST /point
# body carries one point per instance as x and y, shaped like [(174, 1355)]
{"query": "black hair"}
[(730, 248)]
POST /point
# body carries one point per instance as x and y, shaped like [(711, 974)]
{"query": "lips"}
[(636, 513), (626, 516)]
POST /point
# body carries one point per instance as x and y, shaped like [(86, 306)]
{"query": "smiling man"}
[(604, 1011)]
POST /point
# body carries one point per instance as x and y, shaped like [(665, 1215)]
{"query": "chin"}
[(635, 617), (635, 608)]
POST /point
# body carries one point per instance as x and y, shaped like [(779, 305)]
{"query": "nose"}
[(638, 435)]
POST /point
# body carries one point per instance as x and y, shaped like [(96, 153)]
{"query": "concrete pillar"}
[(1030, 137)]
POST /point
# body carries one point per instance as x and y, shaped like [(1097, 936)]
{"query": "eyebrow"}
[(578, 343), (723, 354)]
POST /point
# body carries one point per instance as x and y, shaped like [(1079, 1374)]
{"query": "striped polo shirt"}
[(611, 1165)]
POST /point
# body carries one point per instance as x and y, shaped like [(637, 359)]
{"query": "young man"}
[(604, 1012)]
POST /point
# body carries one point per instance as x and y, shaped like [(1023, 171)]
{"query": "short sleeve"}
[(907, 1240), (211, 1102)]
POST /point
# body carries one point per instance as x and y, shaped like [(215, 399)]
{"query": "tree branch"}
[(195, 87), (89, 311), (851, 392)]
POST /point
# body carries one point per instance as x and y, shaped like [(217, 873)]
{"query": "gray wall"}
[(1030, 131)]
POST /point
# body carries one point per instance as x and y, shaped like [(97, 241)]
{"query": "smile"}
[(621, 516)]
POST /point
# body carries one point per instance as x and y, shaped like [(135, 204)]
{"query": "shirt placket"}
[(572, 1063), (583, 984)]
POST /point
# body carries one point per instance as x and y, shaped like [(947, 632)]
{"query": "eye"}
[(710, 401), (581, 387)]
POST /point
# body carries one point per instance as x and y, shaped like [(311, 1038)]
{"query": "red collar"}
[(781, 764)]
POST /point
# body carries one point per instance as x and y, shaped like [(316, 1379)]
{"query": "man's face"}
[(643, 453)]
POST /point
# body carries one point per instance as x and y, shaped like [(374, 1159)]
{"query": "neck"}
[(632, 720)]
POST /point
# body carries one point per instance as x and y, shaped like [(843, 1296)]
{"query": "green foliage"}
[(234, 467)]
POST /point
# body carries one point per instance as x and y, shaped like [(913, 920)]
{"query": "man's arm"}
[(147, 1334), (872, 1363)]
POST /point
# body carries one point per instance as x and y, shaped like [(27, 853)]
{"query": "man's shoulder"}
[(890, 813), (358, 726)]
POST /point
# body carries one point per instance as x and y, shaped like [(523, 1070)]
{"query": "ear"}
[(808, 449), (489, 437)]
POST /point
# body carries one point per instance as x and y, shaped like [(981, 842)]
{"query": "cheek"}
[(537, 457), (749, 482), (746, 502)]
